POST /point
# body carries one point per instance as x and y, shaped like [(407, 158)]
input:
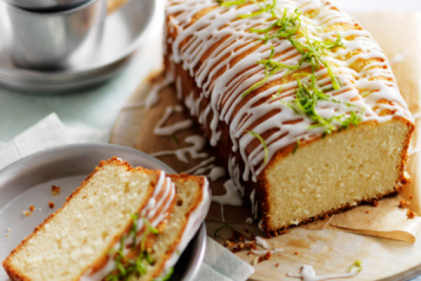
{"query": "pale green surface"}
[(97, 108)]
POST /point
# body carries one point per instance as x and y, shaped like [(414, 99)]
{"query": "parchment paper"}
[(324, 244)]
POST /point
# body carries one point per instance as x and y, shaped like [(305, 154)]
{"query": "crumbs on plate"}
[(55, 190)]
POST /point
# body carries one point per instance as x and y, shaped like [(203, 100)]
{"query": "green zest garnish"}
[(166, 277), (256, 135), (232, 3), (296, 147), (215, 234), (306, 99), (287, 25), (177, 141), (126, 267), (357, 264)]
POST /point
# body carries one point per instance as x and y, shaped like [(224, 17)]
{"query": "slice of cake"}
[(122, 223), (298, 100), (79, 236), (191, 207)]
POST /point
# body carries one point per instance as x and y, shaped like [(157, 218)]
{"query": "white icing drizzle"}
[(414, 151), (201, 165), (153, 97), (164, 187), (216, 173), (254, 204), (194, 221), (263, 252), (416, 115), (172, 129), (224, 26), (262, 242), (249, 220), (309, 274), (231, 197), (259, 225), (198, 143), (399, 57)]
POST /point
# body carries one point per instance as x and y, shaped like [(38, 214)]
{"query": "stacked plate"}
[(125, 31)]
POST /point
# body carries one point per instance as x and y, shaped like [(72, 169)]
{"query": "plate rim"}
[(198, 241)]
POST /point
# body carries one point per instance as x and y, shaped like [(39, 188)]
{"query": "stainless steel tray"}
[(28, 182), (125, 31)]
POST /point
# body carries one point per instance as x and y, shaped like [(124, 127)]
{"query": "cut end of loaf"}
[(335, 173)]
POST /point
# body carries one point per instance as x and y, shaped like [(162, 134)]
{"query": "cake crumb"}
[(367, 211), (251, 246), (229, 244), (39, 209), (410, 214), (375, 203), (8, 230), (406, 178), (296, 253), (238, 248), (265, 257), (55, 190), (402, 203), (7, 235), (277, 265), (32, 208), (27, 213), (238, 236), (51, 204)]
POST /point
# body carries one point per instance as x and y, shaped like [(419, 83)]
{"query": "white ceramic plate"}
[(28, 182)]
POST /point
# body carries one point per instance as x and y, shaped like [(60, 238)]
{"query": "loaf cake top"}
[(280, 73)]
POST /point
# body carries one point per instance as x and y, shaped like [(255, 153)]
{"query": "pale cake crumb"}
[(27, 213)]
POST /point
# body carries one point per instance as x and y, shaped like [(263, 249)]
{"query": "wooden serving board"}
[(328, 251)]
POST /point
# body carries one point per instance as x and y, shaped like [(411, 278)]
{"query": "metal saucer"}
[(125, 31), (28, 182)]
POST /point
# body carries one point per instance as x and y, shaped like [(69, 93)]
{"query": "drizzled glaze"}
[(198, 143), (172, 129), (155, 212), (309, 274), (223, 75)]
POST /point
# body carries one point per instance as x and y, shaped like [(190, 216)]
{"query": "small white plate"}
[(28, 182), (125, 31)]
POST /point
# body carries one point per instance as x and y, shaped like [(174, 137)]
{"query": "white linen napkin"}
[(219, 264)]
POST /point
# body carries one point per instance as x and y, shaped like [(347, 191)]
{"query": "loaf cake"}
[(109, 228), (298, 100)]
